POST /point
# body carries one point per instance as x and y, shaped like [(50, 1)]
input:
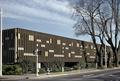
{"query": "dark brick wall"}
[(47, 44)]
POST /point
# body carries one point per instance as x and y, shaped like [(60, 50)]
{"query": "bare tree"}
[(99, 19), (87, 14), (110, 25)]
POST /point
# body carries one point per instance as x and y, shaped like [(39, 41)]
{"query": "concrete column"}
[(16, 33), (63, 67), (39, 65)]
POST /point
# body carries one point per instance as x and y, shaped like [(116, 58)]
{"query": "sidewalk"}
[(42, 76)]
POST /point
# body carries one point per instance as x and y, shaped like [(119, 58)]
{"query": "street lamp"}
[(36, 54), (1, 42)]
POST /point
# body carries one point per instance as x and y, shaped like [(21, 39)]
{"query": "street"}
[(113, 75)]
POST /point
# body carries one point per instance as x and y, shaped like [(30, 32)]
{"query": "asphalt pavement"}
[(82, 75)]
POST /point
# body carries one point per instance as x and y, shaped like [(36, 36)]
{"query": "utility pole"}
[(1, 42)]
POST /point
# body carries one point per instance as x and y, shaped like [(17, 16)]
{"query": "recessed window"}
[(42, 45), (78, 45), (86, 46), (88, 53), (69, 55), (29, 54), (37, 45), (38, 40), (72, 44), (92, 57), (56, 55), (50, 40), (47, 42), (18, 35), (64, 44), (46, 53), (81, 46), (51, 51), (72, 52), (58, 41), (77, 56), (20, 48), (91, 46), (31, 38), (66, 48)]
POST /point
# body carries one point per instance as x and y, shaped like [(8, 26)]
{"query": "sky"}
[(48, 16)]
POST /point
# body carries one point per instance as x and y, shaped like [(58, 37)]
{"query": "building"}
[(19, 44)]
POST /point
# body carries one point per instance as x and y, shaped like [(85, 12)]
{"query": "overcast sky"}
[(49, 16)]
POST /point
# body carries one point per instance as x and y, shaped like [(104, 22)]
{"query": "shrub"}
[(12, 70), (68, 69), (42, 70)]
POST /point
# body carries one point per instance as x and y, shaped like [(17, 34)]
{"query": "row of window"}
[(58, 55), (31, 38)]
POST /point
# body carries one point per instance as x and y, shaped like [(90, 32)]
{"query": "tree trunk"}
[(116, 59), (109, 60)]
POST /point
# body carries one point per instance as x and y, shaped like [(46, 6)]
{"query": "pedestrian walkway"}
[(57, 74)]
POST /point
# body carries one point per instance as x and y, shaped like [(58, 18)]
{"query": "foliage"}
[(12, 70), (68, 68), (42, 70), (28, 66), (54, 66)]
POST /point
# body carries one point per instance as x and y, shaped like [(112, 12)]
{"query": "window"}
[(38, 40), (31, 38), (78, 45), (86, 46), (11, 48), (88, 53), (20, 48), (29, 54), (42, 45), (72, 44), (69, 44), (69, 55), (92, 57), (46, 53), (77, 56), (64, 44), (81, 46), (47, 41), (91, 46), (72, 52), (18, 35), (58, 41), (56, 55), (50, 40), (51, 51), (37, 45), (66, 48), (6, 38)]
